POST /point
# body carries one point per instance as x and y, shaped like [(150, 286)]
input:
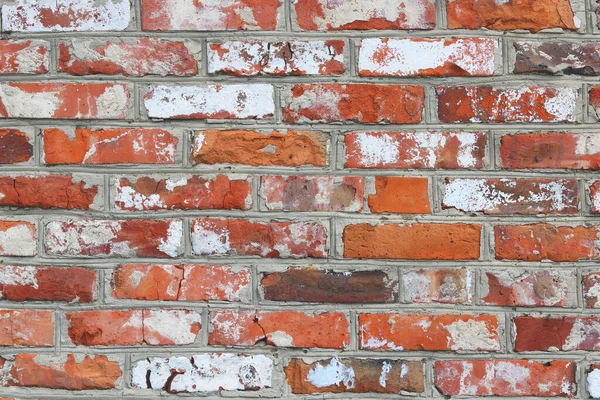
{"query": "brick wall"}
[(284, 198)]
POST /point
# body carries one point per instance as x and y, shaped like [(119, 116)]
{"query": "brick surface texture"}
[(298, 199)]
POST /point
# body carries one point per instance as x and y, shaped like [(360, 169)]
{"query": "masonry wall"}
[(299, 199)]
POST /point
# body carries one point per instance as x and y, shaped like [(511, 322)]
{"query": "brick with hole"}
[(187, 282), (181, 192), (275, 58), (18, 238), (44, 283), (403, 195), (311, 284), (24, 57), (257, 149), (109, 146), (406, 332), (26, 328), (561, 333), (329, 330), (439, 285)]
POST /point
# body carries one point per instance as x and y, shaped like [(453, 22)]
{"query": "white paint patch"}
[(409, 57), (12, 275), (73, 237), (593, 383), (321, 97), (472, 335), (562, 106), (335, 373), (417, 287), (208, 239), (30, 59), (513, 374), (582, 330), (172, 245), (587, 145), (207, 373), (376, 150), (280, 339), (22, 104), (90, 15), (238, 101), (174, 325), (18, 240), (127, 198), (113, 103), (385, 370)]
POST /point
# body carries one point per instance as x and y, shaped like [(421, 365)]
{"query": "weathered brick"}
[(557, 58), (452, 286), (506, 16), (17, 238), (249, 101), (259, 57), (322, 15), (524, 288), (24, 57), (15, 147), (593, 381), (40, 283), (183, 15), (64, 100), (402, 195), (496, 105), (208, 372), (591, 289), (595, 197), (134, 327), (538, 242), (362, 103), (512, 196), (559, 333), (106, 238), (349, 375), (238, 237), (26, 328), (182, 282), (427, 57), (109, 146), (51, 191), (550, 150), (182, 192), (307, 193), (128, 57), (279, 328), (595, 100), (67, 371), (65, 15), (415, 150), (506, 378), (329, 286), (398, 241), (286, 149)]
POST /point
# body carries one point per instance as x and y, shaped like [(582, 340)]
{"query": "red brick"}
[(181, 15), (451, 286), (512, 196), (428, 332), (415, 150), (133, 327), (595, 100), (93, 100), (361, 103), (547, 14), (51, 191), (286, 149), (26, 328), (496, 105), (65, 16), (182, 282), (128, 57), (15, 147), (330, 286), (17, 238), (307, 193), (259, 57), (550, 150), (212, 102), (182, 192), (402, 195), (591, 289), (538, 242), (238, 237), (109, 146), (106, 238), (322, 15), (524, 288), (427, 57), (279, 328), (396, 241), (40, 283), (355, 376), (67, 372), (24, 57), (506, 378), (595, 197), (560, 333)]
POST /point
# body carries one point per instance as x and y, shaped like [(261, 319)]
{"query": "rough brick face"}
[(299, 198)]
